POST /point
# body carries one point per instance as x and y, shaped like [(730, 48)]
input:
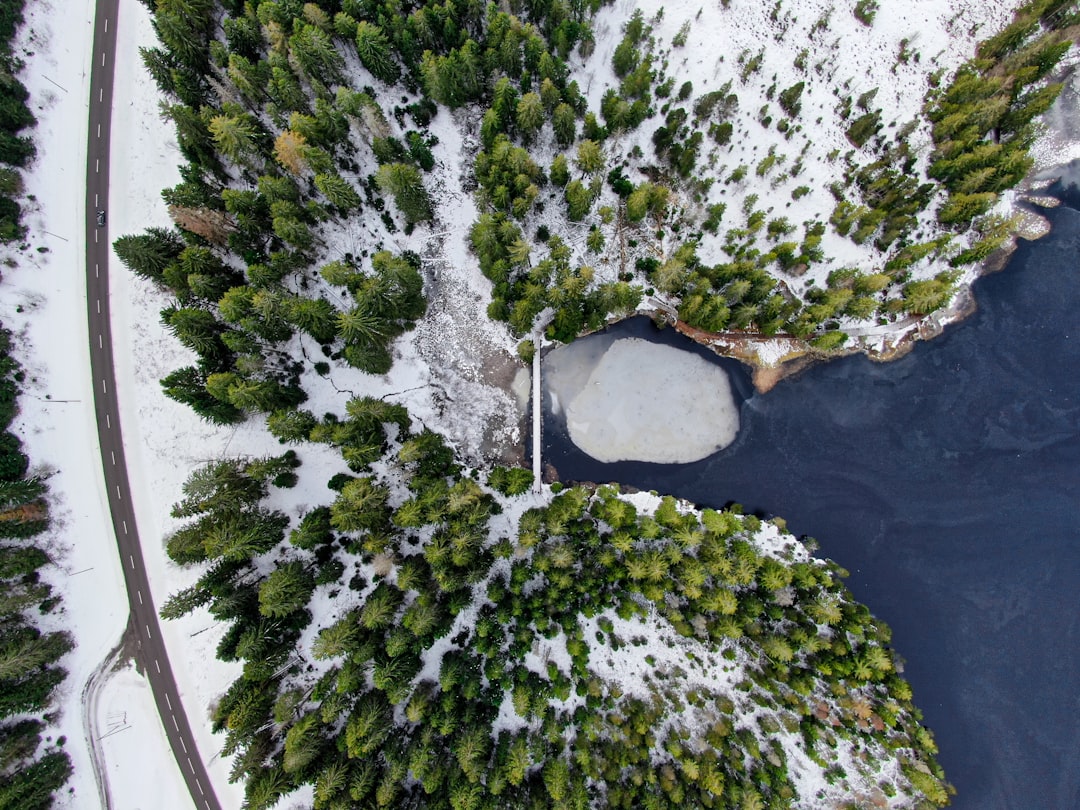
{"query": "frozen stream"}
[(630, 399)]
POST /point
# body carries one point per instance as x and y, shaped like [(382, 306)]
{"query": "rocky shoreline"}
[(773, 358)]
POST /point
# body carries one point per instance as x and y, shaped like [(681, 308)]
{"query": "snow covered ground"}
[(761, 49), (128, 727), (43, 303)]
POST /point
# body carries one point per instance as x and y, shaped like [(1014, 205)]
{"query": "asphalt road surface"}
[(151, 652)]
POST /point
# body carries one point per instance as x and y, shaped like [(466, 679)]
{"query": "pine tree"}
[(240, 537), (25, 649), (578, 201), (29, 694), (184, 35), (235, 135), (32, 787), (160, 65), (185, 601), (375, 52), (149, 253), (316, 316), (285, 90), (197, 329), (303, 743), (360, 326), (213, 225), (188, 386), (220, 486), (530, 115), (407, 187), (250, 78), (590, 157), (289, 151), (314, 51), (289, 225), (19, 742), (338, 639), (360, 505), (286, 590), (18, 561), (338, 191), (369, 725), (564, 122)]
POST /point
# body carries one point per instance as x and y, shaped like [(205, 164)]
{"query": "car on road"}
[(101, 218)]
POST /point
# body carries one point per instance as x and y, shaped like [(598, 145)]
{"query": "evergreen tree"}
[(375, 53), (24, 649), (360, 505), (564, 122), (316, 316), (148, 254), (314, 52), (530, 115), (235, 136), (406, 185), (338, 191), (188, 386), (590, 157), (286, 590), (578, 201), (32, 788)]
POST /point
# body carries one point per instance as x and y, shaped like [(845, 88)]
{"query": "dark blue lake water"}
[(948, 483)]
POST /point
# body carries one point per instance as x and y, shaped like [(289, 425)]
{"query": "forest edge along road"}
[(152, 655)]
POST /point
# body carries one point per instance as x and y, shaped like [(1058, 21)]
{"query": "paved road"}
[(151, 648)]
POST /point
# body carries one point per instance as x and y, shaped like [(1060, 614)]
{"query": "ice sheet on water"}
[(643, 401)]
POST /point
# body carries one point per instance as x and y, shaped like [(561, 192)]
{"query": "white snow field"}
[(127, 722), (644, 401)]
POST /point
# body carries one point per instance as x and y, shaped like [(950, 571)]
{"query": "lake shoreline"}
[(774, 358)]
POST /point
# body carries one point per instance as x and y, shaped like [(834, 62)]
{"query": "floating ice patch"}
[(644, 401)]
